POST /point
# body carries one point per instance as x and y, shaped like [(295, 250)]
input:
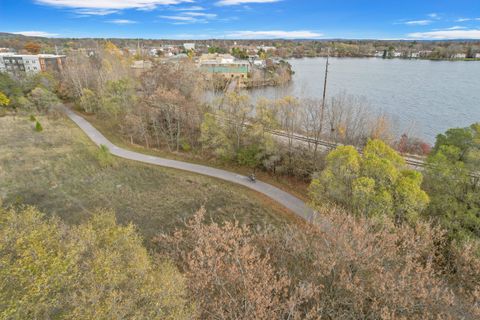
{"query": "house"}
[(153, 52), (477, 56), (459, 56), (256, 61), (425, 53), (25, 63), (224, 64), (237, 69), (266, 48), (189, 46), (216, 58), (169, 50)]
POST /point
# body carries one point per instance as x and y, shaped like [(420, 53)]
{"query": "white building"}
[(189, 46), (460, 56), (27, 63), (477, 56), (32, 63), (266, 48), (2, 63), (217, 58)]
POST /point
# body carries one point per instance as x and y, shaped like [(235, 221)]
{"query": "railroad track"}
[(415, 162)]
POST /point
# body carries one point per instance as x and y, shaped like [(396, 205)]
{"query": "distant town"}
[(248, 66), (251, 63)]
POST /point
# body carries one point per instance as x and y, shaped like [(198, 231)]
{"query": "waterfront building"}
[(31, 64), (189, 46), (224, 64)]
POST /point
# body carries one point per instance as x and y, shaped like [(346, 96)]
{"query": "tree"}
[(357, 268), (117, 97), (89, 101), (455, 193), (10, 87), (375, 184), (44, 100), (170, 107), (228, 276), (98, 270), (226, 131), (4, 101), (289, 120), (33, 47)]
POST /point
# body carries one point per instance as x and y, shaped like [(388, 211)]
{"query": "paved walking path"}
[(287, 200)]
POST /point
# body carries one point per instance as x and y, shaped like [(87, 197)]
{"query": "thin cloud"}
[(194, 8), (201, 14), (95, 12), (241, 2), (467, 19), (104, 7), (456, 28), (418, 22), (179, 18), (188, 17), (472, 34), (122, 21), (42, 34), (275, 34)]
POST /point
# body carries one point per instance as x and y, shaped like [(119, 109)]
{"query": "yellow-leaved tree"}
[(4, 101), (97, 270), (375, 184)]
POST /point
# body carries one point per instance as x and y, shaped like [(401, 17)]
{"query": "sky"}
[(244, 19)]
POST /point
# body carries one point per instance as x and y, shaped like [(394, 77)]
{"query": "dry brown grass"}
[(57, 170)]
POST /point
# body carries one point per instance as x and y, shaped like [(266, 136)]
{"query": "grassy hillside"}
[(58, 171)]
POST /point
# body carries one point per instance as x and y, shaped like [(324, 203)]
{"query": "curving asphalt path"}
[(287, 200)]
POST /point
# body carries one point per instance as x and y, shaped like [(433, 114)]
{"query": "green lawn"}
[(57, 170)]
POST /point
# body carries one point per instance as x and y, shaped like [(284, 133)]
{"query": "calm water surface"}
[(424, 98)]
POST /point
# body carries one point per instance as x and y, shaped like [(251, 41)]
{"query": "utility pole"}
[(322, 111)]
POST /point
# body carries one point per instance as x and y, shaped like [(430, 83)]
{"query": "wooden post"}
[(322, 112)]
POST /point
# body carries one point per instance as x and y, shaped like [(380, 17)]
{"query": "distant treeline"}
[(283, 48)]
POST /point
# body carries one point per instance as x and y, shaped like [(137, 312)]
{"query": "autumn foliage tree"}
[(33, 47), (374, 184), (228, 276), (355, 268), (98, 270), (4, 100)]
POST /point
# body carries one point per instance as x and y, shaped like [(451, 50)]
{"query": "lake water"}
[(423, 98)]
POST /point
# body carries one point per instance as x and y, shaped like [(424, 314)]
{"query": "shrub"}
[(38, 126), (342, 267), (228, 277), (98, 270), (104, 157), (44, 100)]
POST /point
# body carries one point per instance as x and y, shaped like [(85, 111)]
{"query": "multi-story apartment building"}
[(25, 63)]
